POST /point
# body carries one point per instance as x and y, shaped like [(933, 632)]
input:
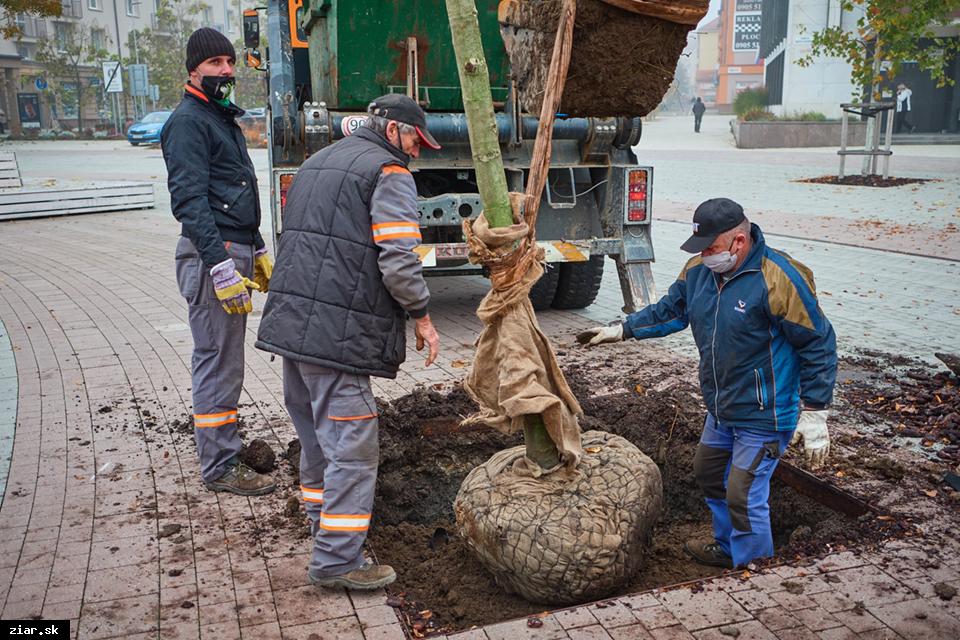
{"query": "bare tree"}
[(64, 58)]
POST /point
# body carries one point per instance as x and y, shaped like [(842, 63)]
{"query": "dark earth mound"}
[(865, 181)]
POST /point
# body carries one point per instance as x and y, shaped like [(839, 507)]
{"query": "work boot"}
[(243, 481), (369, 576), (707, 551)]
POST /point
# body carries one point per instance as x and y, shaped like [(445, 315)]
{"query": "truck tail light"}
[(637, 184), (286, 180)]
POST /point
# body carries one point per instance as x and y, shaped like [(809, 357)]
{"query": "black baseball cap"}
[(712, 218), (402, 108)]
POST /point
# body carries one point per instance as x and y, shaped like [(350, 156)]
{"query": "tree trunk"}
[(491, 179), (478, 106)]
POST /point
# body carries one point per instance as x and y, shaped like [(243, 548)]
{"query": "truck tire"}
[(543, 293), (579, 283)]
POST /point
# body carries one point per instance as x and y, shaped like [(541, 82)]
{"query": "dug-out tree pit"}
[(424, 461)]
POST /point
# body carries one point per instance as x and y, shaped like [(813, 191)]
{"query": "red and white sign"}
[(350, 124)]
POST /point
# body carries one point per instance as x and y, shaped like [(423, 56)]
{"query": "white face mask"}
[(720, 262)]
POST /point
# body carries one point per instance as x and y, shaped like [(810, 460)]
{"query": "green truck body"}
[(327, 60)]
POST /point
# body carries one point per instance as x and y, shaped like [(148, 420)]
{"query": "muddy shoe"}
[(369, 576), (707, 551), (243, 481)]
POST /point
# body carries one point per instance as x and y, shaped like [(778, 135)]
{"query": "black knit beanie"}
[(207, 43)]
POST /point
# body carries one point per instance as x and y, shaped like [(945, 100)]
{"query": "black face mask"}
[(218, 87)]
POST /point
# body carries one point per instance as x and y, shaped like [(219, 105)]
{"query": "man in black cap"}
[(213, 193), (768, 363), (347, 277)]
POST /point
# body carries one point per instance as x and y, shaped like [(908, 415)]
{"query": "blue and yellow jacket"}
[(764, 342)]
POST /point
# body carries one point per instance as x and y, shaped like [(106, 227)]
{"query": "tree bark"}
[(478, 106), (488, 163)]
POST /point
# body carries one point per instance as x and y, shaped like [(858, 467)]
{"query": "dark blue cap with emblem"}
[(712, 218)]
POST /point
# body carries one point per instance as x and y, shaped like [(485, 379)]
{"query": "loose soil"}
[(621, 64), (654, 403), (415, 532), (865, 181)]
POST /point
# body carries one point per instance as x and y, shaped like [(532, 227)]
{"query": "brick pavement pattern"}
[(97, 331)]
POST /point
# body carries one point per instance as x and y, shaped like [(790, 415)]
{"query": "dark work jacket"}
[(212, 182), (699, 108), (764, 342), (328, 304)]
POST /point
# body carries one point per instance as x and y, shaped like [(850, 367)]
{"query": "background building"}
[(787, 32), (740, 63), (32, 90), (708, 61)]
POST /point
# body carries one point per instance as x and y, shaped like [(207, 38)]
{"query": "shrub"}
[(749, 99), (810, 116), (757, 113)]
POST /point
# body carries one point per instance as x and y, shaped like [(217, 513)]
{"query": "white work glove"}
[(812, 427), (601, 335)]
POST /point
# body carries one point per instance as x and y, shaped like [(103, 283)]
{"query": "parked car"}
[(147, 130)]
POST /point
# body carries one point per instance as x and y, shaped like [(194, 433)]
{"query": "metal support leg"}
[(844, 125), (636, 284)]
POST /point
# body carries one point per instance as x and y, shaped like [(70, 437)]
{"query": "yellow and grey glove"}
[(262, 269), (231, 287), (812, 428)]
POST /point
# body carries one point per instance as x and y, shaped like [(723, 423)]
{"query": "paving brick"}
[(138, 614), (611, 613), (594, 632), (655, 617), (369, 616), (676, 632), (579, 617), (630, 632), (704, 609), (777, 619), (870, 585), (518, 630), (753, 599), (220, 631), (392, 631), (816, 619), (749, 630), (917, 619), (345, 628), (858, 621)]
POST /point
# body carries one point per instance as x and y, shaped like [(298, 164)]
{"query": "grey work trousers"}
[(335, 415), (217, 363)]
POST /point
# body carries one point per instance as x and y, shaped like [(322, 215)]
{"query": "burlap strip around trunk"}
[(515, 371)]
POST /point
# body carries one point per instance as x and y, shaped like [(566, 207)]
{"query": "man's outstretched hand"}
[(601, 335), (427, 334), (812, 429)]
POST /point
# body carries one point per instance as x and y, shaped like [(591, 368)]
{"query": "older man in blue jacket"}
[(768, 364)]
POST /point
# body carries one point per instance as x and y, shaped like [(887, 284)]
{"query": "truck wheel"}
[(542, 293), (579, 283)]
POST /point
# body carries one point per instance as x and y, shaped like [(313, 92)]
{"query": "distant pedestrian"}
[(698, 109), (902, 117), (3, 121)]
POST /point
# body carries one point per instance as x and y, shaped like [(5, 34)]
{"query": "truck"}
[(326, 60)]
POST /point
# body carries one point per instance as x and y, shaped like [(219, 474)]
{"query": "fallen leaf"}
[(931, 493), (459, 364), (639, 389), (592, 449)]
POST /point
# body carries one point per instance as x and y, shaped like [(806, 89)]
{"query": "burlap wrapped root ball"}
[(569, 536)]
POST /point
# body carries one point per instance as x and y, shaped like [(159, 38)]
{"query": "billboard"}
[(28, 104), (746, 25)]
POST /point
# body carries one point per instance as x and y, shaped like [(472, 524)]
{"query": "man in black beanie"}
[(213, 194)]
